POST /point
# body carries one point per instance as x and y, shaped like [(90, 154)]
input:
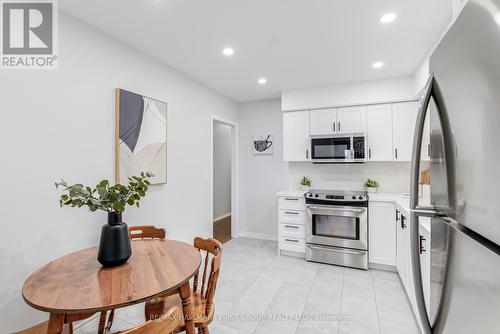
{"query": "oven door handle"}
[(338, 250), (329, 208)]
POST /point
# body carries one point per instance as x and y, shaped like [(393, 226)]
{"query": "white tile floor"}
[(257, 289)]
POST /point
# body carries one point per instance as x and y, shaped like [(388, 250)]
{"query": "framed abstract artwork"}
[(140, 136)]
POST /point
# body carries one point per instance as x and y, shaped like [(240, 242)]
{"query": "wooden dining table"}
[(76, 286)]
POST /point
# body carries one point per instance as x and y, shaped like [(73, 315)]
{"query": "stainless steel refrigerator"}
[(462, 101)]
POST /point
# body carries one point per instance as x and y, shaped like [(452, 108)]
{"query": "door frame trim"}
[(234, 172)]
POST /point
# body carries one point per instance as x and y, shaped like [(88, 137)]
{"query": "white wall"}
[(61, 124), (261, 176), (356, 93), (222, 169), (421, 76), (393, 177)]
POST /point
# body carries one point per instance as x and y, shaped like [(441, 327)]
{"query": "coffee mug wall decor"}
[(262, 143)]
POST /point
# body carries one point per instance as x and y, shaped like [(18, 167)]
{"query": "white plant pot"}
[(305, 187), (371, 190)]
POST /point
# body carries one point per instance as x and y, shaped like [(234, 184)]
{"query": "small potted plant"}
[(371, 186), (305, 183), (114, 244)]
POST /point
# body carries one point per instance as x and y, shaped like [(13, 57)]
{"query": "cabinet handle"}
[(291, 213), (291, 240), (421, 239), (333, 126), (307, 154), (369, 153), (397, 215), (291, 199), (403, 225), (429, 150), (291, 226), (396, 153), (339, 126)]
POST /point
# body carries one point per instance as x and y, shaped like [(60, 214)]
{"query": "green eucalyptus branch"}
[(104, 196)]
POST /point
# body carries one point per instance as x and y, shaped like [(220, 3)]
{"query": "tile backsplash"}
[(393, 177)]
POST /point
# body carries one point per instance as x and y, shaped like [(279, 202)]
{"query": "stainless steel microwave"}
[(339, 149)]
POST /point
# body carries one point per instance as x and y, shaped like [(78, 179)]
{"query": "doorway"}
[(224, 171)]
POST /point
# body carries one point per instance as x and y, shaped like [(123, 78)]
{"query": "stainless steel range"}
[(337, 228)]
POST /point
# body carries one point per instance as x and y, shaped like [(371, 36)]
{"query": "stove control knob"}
[(309, 195), (360, 198), (316, 195), (353, 196)]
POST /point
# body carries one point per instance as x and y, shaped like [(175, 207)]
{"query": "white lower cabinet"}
[(291, 224), (425, 258), (382, 233), (403, 252)]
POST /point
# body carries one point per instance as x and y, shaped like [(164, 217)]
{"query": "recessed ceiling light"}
[(377, 64), (388, 18), (228, 51), (262, 81)]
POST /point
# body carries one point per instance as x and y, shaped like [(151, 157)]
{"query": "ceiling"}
[(292, 43)]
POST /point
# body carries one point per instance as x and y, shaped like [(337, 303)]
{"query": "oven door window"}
[(335, 227), (330, 148)]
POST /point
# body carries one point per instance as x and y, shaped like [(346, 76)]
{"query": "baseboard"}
[(222, 217), (252, 235), (382, 267)]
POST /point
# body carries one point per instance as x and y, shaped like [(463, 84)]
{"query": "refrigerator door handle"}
[(432, 90)]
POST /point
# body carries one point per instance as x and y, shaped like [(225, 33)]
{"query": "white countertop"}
[(403, 203), (291, 193)]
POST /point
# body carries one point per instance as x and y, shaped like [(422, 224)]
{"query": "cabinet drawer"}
[(292, 203), (292, 244), (292, 230), (292, 217)]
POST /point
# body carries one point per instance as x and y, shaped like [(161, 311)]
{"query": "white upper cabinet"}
[(296, 143), (426, 140), (323, 121), (404, 116), (351, 119), (378, 131)]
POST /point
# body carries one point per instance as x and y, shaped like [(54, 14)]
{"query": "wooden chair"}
[(203, 292), (167, 324), (146, 232), (42, 328), (69, 319)]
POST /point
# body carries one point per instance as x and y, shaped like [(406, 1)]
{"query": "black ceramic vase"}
[(114, 246)]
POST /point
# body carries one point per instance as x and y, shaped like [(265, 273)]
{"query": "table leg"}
[(56, 323), (102, 323), (187, 308)]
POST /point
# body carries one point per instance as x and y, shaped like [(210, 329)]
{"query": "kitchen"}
[(345, 153)]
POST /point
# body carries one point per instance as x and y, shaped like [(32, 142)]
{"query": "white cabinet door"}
[(404, 116), (382, 233), (403, 247), (426, 140), (379, 132), (351, 119), (322, 121), (296, 136), (425, 260)]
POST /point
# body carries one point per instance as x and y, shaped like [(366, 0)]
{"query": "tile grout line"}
[(376, 303), (276, 294), (341, 298)]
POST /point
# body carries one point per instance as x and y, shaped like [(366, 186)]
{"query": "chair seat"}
[(42, 328), (155, 308)]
